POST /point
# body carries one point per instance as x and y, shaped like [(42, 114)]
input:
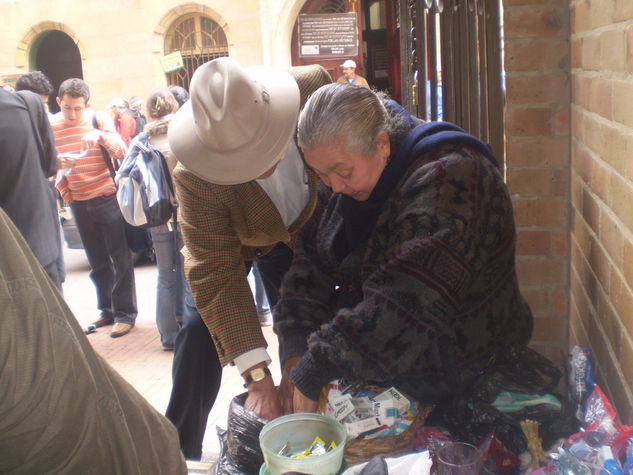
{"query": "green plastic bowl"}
[(300, 430)]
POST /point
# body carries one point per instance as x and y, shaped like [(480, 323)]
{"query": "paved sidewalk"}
[(138, 356)]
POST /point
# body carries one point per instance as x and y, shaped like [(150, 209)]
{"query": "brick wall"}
[(537, 58), (601, 274)]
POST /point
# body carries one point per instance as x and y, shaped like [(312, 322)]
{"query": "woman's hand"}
[(301, 403), (286, 388)]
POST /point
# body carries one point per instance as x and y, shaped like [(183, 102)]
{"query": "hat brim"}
[(253, 159)]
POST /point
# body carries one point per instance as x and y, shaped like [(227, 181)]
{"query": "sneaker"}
[(103, 321), (120, 329)]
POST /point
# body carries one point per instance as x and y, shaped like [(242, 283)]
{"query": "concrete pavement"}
[(139, 356)]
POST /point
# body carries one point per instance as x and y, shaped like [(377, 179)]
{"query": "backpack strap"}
[(105, 153), (143, 142)]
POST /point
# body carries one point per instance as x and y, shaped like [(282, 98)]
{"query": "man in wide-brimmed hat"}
[(243, 192)]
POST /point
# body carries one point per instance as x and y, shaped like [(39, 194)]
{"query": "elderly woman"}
[(405, 274)]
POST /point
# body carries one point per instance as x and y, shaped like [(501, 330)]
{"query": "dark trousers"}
[(102, 232), (196, 369)]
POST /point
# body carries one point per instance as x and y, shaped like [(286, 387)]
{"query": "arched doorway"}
[(378, 58), (199, 39), (56, 55)]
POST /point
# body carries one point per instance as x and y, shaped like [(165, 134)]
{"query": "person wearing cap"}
[(243, 192), (349, 74), (124, 123)]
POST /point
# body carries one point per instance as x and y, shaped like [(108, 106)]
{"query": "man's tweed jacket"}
[(223, 226)]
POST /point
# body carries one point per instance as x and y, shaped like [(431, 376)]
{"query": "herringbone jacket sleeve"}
[(214, 264)]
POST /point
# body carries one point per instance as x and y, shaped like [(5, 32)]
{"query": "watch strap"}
[(249, 379)]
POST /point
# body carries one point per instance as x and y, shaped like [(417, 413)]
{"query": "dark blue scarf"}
[(360, 216)]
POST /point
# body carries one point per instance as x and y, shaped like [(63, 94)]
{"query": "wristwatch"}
[(256, 374)]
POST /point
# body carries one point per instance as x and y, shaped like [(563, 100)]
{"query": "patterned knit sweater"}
[(427, 298)]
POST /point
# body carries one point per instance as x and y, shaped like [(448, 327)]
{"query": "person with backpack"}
[(150, 149), (135, 111), (86, 183)]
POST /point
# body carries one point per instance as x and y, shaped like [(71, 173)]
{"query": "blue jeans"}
[(102, 232), (170, 288)]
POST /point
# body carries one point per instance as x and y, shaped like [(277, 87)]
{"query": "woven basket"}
[(362, 450)]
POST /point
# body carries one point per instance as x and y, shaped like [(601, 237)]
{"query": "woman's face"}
[(351, 174)]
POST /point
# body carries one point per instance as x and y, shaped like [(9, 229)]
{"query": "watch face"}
[(258, 374)]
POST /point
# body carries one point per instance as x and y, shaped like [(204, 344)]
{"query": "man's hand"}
[(302, 403), (91, 139), (263, 398), (286, 388), (65, 160)]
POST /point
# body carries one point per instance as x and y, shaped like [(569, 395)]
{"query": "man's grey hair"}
[(346, 116)]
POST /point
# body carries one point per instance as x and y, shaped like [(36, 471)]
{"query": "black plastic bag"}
[(470, 420), (242, 438), (520, 370), (225, 465)]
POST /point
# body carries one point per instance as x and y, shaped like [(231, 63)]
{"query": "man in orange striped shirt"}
[(84, 181)]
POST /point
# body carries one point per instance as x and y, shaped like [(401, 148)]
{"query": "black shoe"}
[(103, 321)]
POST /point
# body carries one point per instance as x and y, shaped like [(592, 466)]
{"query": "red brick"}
[(599, 264), (600, 180), (612, 50), (576, 191), (580, 16), (623, 102), (533, 243), (535, 22), (601, 12), (623, 10), (581, 163), (621, 197), (580, 235), (530, 183), (626, 358), (581, 93), (533, 121), (601, 97), (627, 260), (588, 280), (622, 300), (539, 299), (561, 120), (544, 55), (550, 329), (611, 237), (561, 302), (590, 55), (575, 50), (542, 271), (548, 152), (590, 211), (617, 147), (543, 212), (544, 88), (561, 182), (609, 322), (629, 46)]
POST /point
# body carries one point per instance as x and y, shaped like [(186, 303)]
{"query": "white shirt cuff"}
[(251, 358)]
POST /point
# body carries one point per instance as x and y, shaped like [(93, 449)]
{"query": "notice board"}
[(328, 34)]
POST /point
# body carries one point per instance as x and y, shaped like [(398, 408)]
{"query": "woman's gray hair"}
[(346, 116)]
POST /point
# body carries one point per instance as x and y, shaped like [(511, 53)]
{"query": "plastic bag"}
[(225, 465), (470, 420), (242, 438)]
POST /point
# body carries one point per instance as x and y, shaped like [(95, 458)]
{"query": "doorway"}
[(378, 58), (56, 55)]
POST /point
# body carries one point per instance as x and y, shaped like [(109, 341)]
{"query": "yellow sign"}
[(172, 62)]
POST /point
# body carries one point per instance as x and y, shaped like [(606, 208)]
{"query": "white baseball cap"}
[(349, 63)]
